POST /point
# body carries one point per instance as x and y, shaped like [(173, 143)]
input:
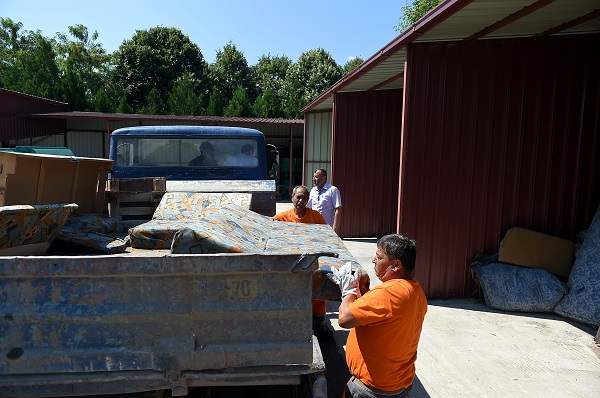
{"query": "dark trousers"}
[(356, 389)]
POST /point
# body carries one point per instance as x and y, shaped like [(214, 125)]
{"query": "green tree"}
[(27, 61), (84, 66), (124, 106), (215, 103), (267, 105), (269, 75), (412, 12), (239, 105), (73, 88), (313, 73), (351, 65), (229, 71), (103, 102), (183, 100), (154, 104), (156, 58), (37, 70), (10, 45)]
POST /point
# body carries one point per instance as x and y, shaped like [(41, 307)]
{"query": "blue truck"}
[(189, 153), (147, 159)]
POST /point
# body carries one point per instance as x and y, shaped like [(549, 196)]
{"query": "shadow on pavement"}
[(479, 306)]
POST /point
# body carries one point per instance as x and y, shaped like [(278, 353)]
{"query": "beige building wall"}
[(317, 144)]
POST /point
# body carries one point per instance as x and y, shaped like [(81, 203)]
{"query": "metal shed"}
[(481, 116)]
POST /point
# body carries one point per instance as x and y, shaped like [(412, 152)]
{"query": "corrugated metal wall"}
[(366, 158), (317, 145), (46, 140), (14, 127), (499, 133), (87, 144)]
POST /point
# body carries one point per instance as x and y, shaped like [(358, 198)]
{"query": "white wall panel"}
[(86, 143), (318, 143)]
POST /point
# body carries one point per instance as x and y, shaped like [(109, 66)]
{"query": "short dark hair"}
[(207, 145), (399, 247), (247, 148), (323, 171)]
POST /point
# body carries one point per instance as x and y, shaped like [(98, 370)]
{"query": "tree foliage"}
[(351, 65), (160, 71), (269, 75), (27, 61), (215, 103), (83, 64), (103, 102), (267, 105), (38, 73), (155, 58), (183, 99), (313, 73), (154, 104), (239, 104), (123, 106), (10, 46), (412, 12), (230, 71)]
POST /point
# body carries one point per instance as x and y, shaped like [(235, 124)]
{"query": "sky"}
[(344, 28)]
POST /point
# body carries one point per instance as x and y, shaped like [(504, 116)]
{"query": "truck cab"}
[(149, 161), (188, 153)]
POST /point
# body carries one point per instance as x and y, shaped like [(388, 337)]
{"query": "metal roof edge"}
[(427, 22), (131, 116), (31, 96)]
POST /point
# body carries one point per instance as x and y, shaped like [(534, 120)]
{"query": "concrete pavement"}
[(470, 350)]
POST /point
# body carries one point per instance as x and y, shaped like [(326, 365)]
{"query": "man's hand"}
[(337, 220), (344, 278), (351, 287)]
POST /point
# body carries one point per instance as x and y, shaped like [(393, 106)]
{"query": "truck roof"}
[(188, 130)]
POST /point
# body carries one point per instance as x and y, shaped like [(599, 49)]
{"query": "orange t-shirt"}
[(311, 217), (383, 350)]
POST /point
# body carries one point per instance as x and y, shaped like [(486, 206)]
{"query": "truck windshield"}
[(186, 152)]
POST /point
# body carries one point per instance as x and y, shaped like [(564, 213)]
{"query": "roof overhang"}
[(465, 20), (141, 117)]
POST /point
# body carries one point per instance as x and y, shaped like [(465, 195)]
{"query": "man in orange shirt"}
[(301, 213), (385, 322)]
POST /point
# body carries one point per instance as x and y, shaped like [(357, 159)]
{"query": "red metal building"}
[(14, 125), (478, 118)]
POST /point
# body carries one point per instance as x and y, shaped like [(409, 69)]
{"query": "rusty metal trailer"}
[(108, 324)]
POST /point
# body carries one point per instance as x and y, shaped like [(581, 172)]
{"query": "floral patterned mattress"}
[(193, 223), (29, 229), (582, 302), (94, 231)]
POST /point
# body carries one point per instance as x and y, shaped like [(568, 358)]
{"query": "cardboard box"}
[(35, 179)]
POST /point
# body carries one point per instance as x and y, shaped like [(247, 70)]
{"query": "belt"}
[(357, 381)]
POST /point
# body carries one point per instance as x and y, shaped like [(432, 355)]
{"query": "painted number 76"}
[(242, 289)]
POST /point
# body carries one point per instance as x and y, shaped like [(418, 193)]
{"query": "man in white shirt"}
[(326, 199), (244, 159)]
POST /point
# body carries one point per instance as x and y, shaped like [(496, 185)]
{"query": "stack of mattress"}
[(195, 223)]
